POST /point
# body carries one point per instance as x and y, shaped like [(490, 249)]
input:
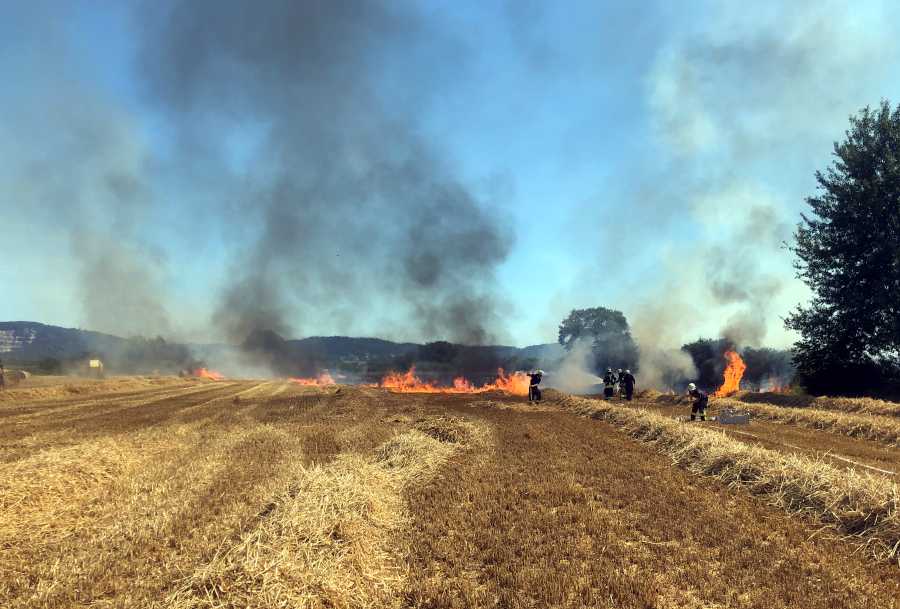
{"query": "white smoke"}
[(574, 372), (656, 327)]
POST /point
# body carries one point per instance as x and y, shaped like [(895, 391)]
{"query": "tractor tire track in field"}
[(840, 450), (186, 501), (569, 513), (864, 507), (122, 416), (18, 440), (166, 500), (56, 406), (829, 455)]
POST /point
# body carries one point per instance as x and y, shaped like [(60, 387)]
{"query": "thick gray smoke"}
[(121, 287), (737, 279), (344, 208), (73, 183)]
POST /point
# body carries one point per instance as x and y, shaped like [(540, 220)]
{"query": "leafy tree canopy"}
[(848, 253), (608, 332)]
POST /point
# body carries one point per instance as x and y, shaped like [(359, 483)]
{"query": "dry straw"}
[(840, 404), (862, 405), (58, 388), (330, 539), (860, 505), (864, 426)]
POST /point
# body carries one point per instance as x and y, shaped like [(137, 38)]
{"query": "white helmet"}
[(692, 387), (540, 372), (628, 372)]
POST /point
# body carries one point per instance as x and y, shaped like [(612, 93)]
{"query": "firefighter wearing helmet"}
[(609, 383), (699, 402), (626, 383), (534, 391)]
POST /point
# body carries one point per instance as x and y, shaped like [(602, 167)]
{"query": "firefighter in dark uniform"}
[(2, 375), (534, 391), (609, 383), (626, 382), (700, 402)]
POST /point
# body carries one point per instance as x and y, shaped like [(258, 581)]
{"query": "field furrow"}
[(876, 428), (33, 409), (262, 494), (850, 405), (861, 505), (840, 450), (574, 513), (19, 438)]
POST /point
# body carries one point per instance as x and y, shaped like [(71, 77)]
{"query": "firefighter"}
[(534, 391), (2, 375), (609, 383), (620, 389), (700, 401), (627, 382)]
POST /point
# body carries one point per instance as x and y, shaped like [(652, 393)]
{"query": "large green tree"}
[(848, 252), (608, 332)]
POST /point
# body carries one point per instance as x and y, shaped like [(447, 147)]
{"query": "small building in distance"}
[(95, 368)]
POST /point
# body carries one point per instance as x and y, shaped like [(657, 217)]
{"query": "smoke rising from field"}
[(74, 187), (744, 112), (657, 326), (350, 209), (120, 288), (574, 372), (273, 134), (215, 168), (735, 277)]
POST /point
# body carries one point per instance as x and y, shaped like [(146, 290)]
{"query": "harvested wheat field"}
[(866, 442), (270, 494)]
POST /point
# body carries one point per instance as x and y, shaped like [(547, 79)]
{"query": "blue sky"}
[(649, 158)]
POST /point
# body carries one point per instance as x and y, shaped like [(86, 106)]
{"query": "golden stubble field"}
[(172, 493)]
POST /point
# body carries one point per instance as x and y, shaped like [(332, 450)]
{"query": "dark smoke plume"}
[(346, 209)]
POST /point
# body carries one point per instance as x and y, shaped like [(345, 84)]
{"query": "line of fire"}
[(513, 383)]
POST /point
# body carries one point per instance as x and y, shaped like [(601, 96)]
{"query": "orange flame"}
[(734, 371), (209, 374), (775, 385), (322, 379), (516, 383), (407, 382)]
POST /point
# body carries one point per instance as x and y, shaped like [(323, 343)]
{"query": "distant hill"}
[(338, 347), (32, 341), (25, 341)]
